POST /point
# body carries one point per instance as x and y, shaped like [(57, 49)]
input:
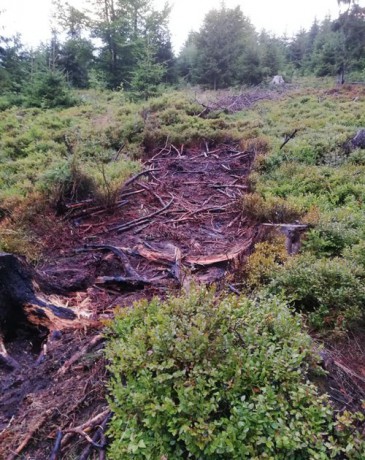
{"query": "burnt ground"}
[(175, 223)]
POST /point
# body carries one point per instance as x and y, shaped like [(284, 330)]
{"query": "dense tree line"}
[(126, 44)]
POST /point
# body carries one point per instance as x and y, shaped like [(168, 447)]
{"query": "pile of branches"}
[(230, 103)]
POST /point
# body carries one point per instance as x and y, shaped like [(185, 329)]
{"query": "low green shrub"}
[(204, 378), (67, 181), (261, 265), (330, 291), (269, 209)]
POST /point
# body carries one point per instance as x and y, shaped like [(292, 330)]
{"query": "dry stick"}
[(57, 445), (152, 193), (176, 150), (242, 187), (119, 152), (28, 438), (160, 151), (142, 173), (86, 436), (85, 454), (124, 195), (288, 137), (85, 426), (141, 220), (90, 345), (6, 358)]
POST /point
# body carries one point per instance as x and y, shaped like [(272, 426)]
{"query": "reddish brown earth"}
[(177, 222)]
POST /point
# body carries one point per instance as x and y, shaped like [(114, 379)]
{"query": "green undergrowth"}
[(103, 139), (87, 151), (206, 377), (317, 179)]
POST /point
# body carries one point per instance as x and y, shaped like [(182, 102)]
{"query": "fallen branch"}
[(348, 371), (89, 346), (288, 137), (85, 454), (121, 281), (141, 220), (28, 438), (57, 446), (86, 426), (162, 203), (137, 176)]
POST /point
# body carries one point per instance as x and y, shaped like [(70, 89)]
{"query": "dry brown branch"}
[(141, 220), (137, 176), (89, 346), (86, 426)]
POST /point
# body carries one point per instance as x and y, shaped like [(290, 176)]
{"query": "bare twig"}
[(288, 137), (94, 421), (141, 220), (57, 445), (142, 173), (89, 346)]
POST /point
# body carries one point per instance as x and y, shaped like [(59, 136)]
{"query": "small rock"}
[(278, 80)]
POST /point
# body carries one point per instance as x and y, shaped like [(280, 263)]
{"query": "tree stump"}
[(20, 305), (293, 233)]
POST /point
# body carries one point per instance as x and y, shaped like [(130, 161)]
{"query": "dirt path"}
[(175, 223)]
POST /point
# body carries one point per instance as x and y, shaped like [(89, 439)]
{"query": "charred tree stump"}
[(20, 306), (18, 300)]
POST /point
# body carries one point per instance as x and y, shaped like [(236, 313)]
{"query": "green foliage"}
[(269, 209), (66, 182), (48, 89), (147, 77), (205, 378), (263, 263), (331, 291)]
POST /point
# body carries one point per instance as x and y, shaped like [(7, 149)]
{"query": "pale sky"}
[(31, 17)]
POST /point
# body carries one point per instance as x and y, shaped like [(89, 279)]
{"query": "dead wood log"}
[(206, 260), (230, 255), (20, 305)]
